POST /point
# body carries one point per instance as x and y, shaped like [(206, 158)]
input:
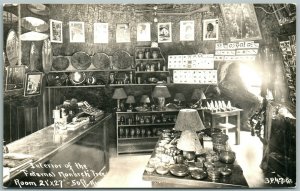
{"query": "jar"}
[(155, 54), (140, 54), (147, 54)]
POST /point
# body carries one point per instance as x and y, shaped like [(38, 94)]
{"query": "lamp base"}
[(161, 103)]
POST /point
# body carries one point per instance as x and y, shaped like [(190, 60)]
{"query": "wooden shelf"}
[(87, 86), (147, 112), (112, 70), (149, 59), (146, 72), (136, 138), (147, 124)]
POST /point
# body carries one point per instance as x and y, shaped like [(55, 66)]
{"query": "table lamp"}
[(119, 94), (130, 100), (190, 144), (199, 96), (161, 92), (179, 97), (188, 119), (145, 99)]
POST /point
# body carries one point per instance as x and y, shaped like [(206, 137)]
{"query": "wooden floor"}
[(126, 170)]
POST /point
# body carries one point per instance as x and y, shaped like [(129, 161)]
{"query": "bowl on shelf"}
[(152, 80)]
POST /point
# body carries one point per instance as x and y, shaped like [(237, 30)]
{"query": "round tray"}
[(12, 47), (199, 174), (122, 60), (101, 61), (60, 63), (34, 24), (179, 170), (81, 60), (77, 78), (39, 9)]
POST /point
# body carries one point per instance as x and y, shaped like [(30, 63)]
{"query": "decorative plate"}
[(60, 63), (39, 9), (56, 79), (34, 24), (9, 18), (33, 57), (101, 61), (47, 56), (81, 60), (12, 47), (33, 36), (77, 78), (179, 170), (122, 60)]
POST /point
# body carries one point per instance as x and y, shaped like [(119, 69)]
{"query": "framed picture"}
[(76, 31), (14, 78), (56, 31), (33, 83), (210, 29), (187, 30), (241, 22), (123, 33), (100, 32), (143, 32), (164, 32)]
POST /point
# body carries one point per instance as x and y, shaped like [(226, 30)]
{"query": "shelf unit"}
[(150, 63), (139, 131)]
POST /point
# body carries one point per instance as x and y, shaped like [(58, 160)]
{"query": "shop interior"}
[(149, 95)]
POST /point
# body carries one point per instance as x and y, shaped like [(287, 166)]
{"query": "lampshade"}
[(161, 91), (188, 119), (119, 93), (130, 99), (179, 97), (145, 99), (189, 141), (198, 94)]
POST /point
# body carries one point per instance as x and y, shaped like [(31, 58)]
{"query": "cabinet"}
[(280, 143), (150, 66), (139, 131)]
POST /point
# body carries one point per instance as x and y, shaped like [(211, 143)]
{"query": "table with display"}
[(87, 146), (235, 180), (226, 114)]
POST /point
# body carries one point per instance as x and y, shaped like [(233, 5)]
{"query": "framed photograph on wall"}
[(123, 33), (33, 84), (187, 30), (143, 32), (164, 31), (76, 31), (210, 29), (100, 32), (56, 31), (241, 22), (14, 78)]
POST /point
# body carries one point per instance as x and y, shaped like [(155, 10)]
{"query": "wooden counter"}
[(87, 146), (236, 180)]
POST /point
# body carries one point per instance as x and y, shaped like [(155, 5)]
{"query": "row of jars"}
[(140, 119), (133, 132), (150, 67), (147, 54)]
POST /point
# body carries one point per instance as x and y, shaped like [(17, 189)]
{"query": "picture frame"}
[(33, 84), (143, 32), (56, 34), (210, 29), (14, 77), (164, 31), (122, 33), (76, 30), (187, 30), (241, 22), (101, 33)]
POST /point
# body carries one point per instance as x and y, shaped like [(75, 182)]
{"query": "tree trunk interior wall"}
[(124, 13)]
